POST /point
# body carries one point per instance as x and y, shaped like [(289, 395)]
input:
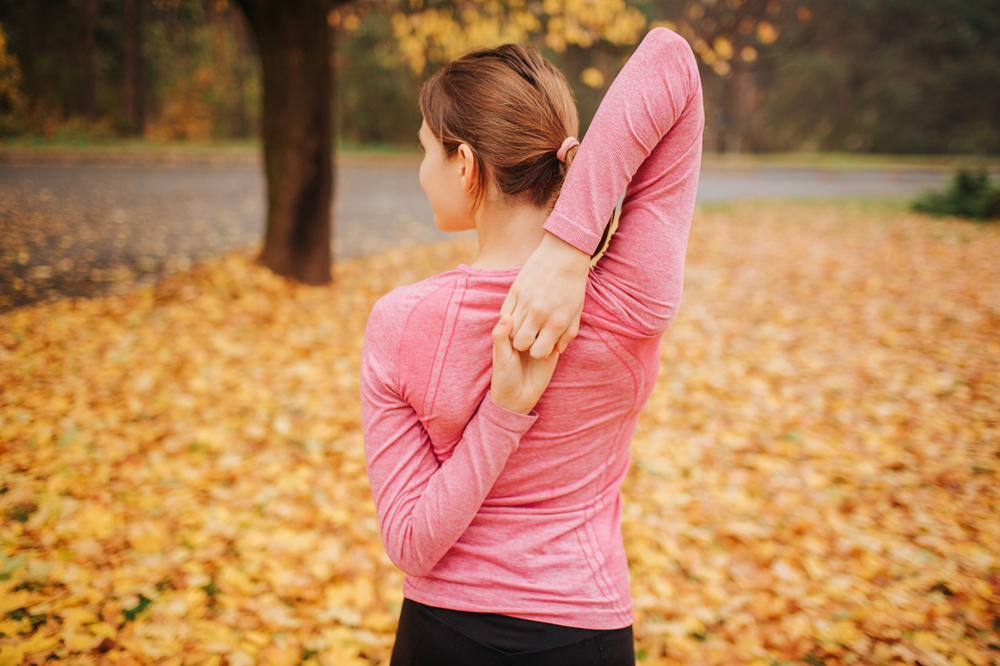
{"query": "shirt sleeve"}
[(645, 140), (424, 506)]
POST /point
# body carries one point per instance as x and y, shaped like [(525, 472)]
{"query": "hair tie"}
[(567, 145)]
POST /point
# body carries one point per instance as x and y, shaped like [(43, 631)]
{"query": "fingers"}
[(546, 341), (526, 328), (570, 333), (523, 332), (510, 306), (510, 302), (556, 335), (502, 351)]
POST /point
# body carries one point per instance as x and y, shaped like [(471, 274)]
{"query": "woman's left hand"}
[(518, 379)]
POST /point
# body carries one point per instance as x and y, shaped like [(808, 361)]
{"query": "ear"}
[(468, 171)]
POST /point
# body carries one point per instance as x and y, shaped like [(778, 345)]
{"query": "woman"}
[(502, 503)]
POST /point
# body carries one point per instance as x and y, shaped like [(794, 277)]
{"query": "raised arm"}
[(646, 136), (424, 506)]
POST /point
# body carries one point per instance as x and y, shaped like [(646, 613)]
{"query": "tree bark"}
[(295, 47), (132, 74)]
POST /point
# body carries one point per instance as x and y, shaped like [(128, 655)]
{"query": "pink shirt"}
[(491, 511)]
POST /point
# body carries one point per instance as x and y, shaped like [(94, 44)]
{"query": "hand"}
[(518, 379), (546, 299)]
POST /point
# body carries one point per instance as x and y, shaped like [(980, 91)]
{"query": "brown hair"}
[(514, 109)]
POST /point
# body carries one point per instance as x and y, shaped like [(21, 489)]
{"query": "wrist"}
[(569, 255), (510, 405)]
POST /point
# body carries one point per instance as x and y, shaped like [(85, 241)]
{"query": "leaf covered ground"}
[(814, 480)]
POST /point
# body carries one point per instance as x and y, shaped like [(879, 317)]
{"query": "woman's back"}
[(553, 513), (583, 417), (492, 511)]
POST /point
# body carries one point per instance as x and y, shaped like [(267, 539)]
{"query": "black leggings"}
[(429, 636)]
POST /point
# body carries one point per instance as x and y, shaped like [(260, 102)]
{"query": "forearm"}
[(640, 108), (424, 507)]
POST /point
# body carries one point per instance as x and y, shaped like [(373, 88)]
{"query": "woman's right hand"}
[(518, 379), (547, 296)]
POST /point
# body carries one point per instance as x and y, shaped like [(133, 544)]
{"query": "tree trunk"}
[(294, 40), (88, 96), (132, 74)]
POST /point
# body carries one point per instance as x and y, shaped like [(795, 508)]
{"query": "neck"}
[(508, 234)]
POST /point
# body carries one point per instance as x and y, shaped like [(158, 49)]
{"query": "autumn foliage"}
[(814, 479)]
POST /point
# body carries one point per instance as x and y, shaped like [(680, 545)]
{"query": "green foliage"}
[(131, 613), (376, 97), (890, 76), (970, 195), (199, 78), (882, 76)]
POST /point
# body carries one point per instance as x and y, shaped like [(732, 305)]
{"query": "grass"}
[(844, 161), (70, 145), (971, 195)]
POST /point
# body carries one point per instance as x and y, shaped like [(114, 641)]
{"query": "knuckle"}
[(536, 311)]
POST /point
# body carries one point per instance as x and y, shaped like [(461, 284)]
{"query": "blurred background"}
[(814, 478), (871, 76), (804, 99)]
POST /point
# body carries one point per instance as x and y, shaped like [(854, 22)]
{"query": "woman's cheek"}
[(422, 175)]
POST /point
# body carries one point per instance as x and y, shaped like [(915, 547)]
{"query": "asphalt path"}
[(79, 230)]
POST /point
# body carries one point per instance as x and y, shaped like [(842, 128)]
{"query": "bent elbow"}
[(405, 550), (656, 324), (410, 563)]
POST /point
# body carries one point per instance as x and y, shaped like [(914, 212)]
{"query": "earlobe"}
[(467, 168)]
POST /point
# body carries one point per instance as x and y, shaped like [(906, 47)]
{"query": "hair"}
[(514, 110)]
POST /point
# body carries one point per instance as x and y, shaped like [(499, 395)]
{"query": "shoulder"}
[(662, 38), (663, 49), (392, 313), (403, 301), (403, 320)]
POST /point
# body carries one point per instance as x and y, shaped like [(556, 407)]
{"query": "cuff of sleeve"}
[(506, 419), (564, 228)]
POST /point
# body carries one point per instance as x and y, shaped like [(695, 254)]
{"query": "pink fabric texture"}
[(491, 511)]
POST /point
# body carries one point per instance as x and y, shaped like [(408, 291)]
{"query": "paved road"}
[(811, 183), (79, 230)]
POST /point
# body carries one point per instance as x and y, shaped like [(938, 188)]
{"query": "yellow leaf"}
[(103, 629), (39, 643), (11, 655), (97, 521), (146, 538), (236, 579), (285, 655), (926, 640), (80, 642), (79, 616), (13, 601)]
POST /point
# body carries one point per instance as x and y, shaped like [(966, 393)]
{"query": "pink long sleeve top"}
[(491, 511)]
